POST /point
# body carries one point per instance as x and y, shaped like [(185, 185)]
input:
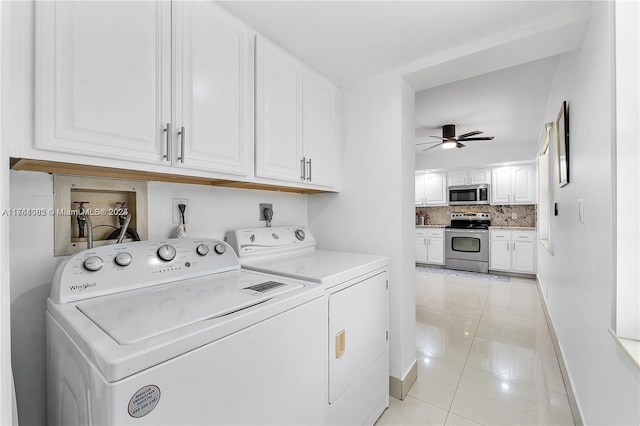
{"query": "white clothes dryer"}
[(357, 302), (173, 332)]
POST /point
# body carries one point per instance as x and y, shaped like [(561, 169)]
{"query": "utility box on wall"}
[(107, 202)]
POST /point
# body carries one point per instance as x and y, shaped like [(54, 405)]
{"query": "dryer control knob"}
[(220, 248), (93, 263), (166, 253), (300, 234), (202, 249), (123, 259)]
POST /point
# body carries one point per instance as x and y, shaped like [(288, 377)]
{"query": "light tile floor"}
[(485, 356)]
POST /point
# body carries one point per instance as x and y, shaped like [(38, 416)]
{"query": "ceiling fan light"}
[(448, 145)]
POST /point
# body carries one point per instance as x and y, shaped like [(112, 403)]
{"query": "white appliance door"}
[(357, 331)]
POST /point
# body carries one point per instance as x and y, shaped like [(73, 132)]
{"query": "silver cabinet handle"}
[(167, 154), (309, 164), (303, 169), (181, 133), (508, 245), (514, 246)]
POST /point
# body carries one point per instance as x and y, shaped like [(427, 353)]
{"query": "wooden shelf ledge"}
[(54, 167)]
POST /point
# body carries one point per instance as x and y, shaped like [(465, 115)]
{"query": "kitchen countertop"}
[(510, 228), (515, 228)]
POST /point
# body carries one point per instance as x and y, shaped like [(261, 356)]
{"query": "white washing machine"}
[(174, 333), (357, 300)]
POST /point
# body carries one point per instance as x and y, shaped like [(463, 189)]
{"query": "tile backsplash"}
[(501, 215)]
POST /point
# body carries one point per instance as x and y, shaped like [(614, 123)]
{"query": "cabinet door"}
[(501, 185), (500, 255), (435, 189), (435, 250), (213, 100), (419, 190), (357, 331), (458, 177), (319, 130), (103, 78), (479, 176), (421, 249), (523, 180), (278, 121), (523, 257)]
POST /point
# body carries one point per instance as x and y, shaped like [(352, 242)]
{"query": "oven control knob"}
[(202, 249), (93, 263), (123, 259), (300, 234), (220, 248), (166, 253)]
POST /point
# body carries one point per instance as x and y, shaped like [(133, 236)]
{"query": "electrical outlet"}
[(177, 217), (514, 215), (262, 207)]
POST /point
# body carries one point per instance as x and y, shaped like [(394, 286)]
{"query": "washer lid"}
[(131, 317), (320, 266)]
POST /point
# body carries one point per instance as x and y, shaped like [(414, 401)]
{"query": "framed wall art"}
[(562, 138)]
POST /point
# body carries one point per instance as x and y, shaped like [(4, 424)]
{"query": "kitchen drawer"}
[(421, 233), (435, 233), (500, 235), (523, 236)]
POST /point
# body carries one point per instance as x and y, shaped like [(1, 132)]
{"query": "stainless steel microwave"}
[(468, 194)]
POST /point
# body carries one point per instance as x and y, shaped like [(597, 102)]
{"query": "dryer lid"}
[(132, 317)]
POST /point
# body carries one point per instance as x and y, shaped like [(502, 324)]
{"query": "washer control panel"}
[(128, 266), (255, 241)]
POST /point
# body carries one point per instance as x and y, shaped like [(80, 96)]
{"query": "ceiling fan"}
[(450, 140)]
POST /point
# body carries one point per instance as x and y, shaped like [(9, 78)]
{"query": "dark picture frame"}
[(562, 138)]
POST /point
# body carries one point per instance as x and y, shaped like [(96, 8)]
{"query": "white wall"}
[(628, 175), (212, 212), (374, 211), (579, 276)]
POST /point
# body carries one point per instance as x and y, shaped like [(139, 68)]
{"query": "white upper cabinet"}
[(106, 71), (431, 189), (278, 109), (296, 120), (469, 177), (213, 99), (103, 78), (514, 185), (319, 130)]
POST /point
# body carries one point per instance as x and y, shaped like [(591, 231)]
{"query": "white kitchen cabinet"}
[(514, 184), (429, 243), (512, 251), (213, 97), (103, 78), (431, 189), (435, 246), (469, 177), (421, 245), (106, 72), (296, 120)]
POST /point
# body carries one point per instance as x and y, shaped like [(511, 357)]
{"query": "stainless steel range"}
[(467, 242)]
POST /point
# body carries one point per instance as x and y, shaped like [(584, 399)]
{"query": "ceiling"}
[(508, 104), (484, 65)]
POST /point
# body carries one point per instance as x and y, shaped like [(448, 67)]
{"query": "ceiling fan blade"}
[(431, 147), (427, 143), (460, 145), (439, 137), (482, 138), (466, 135)]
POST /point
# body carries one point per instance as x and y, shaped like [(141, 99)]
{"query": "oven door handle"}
[(467, 231)]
